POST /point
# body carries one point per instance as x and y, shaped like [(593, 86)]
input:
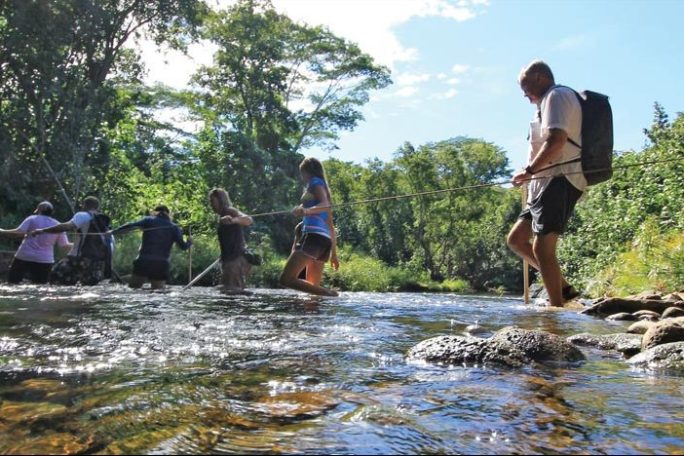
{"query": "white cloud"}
[(173, 68), (459, 69), (404, 79), (454, 81), (451, 93), (406, 91), (371, 23)]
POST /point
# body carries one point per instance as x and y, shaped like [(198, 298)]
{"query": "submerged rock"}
[(673, 312), (664, 332), (474, 330), (26, 412), (454, 350), (627, 344), (509, 346), (662, 357)]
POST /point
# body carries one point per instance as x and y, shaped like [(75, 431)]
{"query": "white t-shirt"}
[(560, 109), (82, 222)]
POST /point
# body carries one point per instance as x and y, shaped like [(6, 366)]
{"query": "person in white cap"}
[(35, 256)]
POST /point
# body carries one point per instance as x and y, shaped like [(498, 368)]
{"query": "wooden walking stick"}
[(526, 266)]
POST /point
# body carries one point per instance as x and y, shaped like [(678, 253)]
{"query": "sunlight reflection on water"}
[(112, 370)]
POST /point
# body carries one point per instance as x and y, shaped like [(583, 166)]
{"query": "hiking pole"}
[(196, 279), (526, 266), (190, 259)]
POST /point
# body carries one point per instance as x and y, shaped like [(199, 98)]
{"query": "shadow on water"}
[(110, 370)]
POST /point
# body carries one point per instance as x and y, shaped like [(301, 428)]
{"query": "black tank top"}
[(231, 240)]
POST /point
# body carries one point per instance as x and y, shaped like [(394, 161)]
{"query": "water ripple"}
[(112, 370)]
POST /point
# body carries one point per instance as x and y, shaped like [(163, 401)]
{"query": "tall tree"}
[(58, 58), (275, 88)]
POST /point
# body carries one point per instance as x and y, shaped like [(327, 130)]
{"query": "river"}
[(110, 370)]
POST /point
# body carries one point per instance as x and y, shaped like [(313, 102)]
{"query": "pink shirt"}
[(39, 249)]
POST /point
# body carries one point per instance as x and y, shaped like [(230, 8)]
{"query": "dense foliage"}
[(639, 205), (75, 119)]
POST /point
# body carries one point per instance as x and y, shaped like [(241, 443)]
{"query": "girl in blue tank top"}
[(318, 242)]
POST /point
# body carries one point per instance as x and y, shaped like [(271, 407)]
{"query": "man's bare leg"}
[(544, 249), (519, 241)]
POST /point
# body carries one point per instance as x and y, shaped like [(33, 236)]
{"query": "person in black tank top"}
[(234, 266)]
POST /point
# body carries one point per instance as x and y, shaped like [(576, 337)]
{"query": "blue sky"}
[(630, 50), (455, 65)]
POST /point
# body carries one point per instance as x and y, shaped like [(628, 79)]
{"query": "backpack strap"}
[(82, 237)]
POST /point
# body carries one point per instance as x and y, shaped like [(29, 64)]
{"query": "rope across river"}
[(438, 191), (472, 187)]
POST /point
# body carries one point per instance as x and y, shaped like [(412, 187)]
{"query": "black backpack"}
[(97, 247), (597, 137)]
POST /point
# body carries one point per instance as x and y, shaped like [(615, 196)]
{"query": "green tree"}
[(60, 62), (275, 88), (613, 214)]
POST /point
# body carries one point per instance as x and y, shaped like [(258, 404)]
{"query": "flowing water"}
[(109, 370)]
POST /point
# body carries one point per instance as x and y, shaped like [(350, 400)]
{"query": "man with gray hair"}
[(36, 254), (553, 175)]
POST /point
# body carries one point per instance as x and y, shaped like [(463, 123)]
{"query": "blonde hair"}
[(221, 196)]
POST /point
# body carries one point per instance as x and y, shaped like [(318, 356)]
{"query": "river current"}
[(109, 370)]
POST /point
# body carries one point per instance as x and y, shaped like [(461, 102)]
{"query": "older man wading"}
[(556, 185)]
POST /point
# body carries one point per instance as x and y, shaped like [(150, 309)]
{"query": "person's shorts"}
[(70, 270), (152, 269), (551, 211), (234, 273), (37, 272), (315, 246)]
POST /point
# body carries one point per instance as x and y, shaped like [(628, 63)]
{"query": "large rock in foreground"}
[(663, 357), (664, 332), (509, 346)]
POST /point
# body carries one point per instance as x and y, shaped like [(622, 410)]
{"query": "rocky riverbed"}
[(655, 341)]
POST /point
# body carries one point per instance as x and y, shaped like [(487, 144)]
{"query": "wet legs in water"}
[(299, 262), (541, 255)]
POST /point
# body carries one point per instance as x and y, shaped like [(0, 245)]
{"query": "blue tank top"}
[(316, 223)]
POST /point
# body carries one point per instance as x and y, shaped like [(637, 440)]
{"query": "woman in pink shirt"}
[(35, 256)]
